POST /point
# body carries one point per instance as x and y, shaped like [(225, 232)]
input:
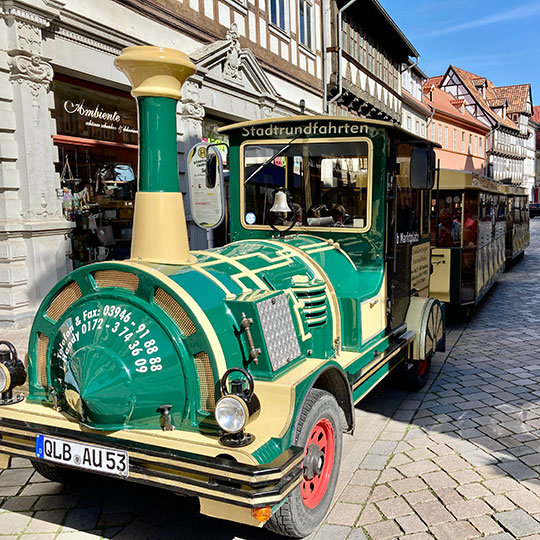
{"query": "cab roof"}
[(402, 134)]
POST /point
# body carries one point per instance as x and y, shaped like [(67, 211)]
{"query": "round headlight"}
[(231, 413), (5, 378)]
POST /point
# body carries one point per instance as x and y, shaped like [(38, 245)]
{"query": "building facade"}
[(461, 136), (508, 134), (415, 114), (68, 128)]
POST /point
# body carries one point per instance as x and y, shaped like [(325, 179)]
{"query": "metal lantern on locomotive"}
[(225, 373)]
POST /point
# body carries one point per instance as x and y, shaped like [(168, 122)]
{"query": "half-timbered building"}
[(506, 140)]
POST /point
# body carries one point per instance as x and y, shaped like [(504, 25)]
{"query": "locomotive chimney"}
[(159, 225)]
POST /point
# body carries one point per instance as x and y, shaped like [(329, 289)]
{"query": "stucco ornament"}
[(32, 68), (192, 110), (231, 68)]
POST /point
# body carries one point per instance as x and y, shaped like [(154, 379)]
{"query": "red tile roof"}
[(517, 96), (536, 115), (468, 79), (445, 103)]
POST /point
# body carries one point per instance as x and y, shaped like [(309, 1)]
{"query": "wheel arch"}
[(334, 381)]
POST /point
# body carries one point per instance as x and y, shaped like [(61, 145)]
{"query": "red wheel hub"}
[(422, 366), (318, 463)]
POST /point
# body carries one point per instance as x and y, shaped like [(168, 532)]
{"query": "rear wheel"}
[(319, 432), (416, 373)]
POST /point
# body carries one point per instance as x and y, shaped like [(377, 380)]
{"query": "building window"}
[(446, 137), (304, 15), (455, 140), (408, 122), (470, 144), (277, 13), (475, 145), (463, 141), (440, 135), (480, 146), (433, 132)]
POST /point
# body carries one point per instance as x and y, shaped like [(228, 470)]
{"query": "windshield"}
[(328, 183)]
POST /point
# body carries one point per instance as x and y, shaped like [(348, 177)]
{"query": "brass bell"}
[(280, 202)]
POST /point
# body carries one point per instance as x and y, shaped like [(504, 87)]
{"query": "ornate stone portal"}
[(33, 230)]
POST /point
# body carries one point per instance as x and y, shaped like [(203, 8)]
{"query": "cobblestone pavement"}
[(459, 460)]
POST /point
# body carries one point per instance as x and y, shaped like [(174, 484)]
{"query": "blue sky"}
[(496, 39)]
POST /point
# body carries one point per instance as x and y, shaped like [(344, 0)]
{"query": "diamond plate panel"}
[(278, 330)]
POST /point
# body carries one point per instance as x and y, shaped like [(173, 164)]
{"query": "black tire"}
[(62, 475), (294, 518), (416, 374)]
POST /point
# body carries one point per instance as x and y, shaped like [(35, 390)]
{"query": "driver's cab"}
[(363, 185)]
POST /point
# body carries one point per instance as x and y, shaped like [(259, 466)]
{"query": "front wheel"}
[(62, 475), (319, 432)]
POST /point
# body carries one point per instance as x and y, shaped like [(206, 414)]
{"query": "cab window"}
[(328, 183)]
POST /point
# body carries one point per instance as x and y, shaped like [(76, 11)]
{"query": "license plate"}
[(83, 456)]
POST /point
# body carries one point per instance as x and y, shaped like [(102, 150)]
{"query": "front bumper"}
[(213, 478)]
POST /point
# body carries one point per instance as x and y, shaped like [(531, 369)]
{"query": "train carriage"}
[(225, 374), (517, 221)]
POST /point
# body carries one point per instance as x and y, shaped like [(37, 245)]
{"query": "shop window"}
[(96, 140), (305, 26)]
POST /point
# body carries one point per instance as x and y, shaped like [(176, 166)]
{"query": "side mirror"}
[(422, 168)]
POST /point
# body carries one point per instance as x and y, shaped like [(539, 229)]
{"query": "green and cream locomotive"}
[(230, 374)]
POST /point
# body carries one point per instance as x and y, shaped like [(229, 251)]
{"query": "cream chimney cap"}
[(155, 71)]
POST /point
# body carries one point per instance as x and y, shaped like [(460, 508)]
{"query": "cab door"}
[(407, 245)]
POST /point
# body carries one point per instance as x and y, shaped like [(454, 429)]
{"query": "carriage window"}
[(328, 184)]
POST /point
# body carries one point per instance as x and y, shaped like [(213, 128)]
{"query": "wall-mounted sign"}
[(94, 112), (205, 185)]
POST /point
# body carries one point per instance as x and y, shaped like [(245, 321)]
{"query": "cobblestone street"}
[(459, 460)]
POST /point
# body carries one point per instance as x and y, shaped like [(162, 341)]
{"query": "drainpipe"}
[(340, 54)]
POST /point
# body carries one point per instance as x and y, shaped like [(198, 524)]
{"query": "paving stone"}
[(485, 524), (433, 513), (479, 457), (469, 509), (355, 494), (393, 508), (465, 476), (382, 530), (381, 492), (525, 499), (473, 491), (374, 462), (46, 522), (364, 477), (82, 518), (448, 496), (439, 480), (456, 530), (411, 524), (451, 463), (417, 536), (370, 514), (417, 468), (419, 496), (336, 532), (19, 504), (356, 534), (11, 522), (518, 470), (389, 475), (408, 484), (518, 523), (15, 477), (383, 448)]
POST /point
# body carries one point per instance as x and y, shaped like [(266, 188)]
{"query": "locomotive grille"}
[(315, 307), (116, 278), (42, 344), (67, 296), (171, 307), (206, 382)]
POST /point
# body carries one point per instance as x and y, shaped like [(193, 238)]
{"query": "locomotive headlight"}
[(5, 378), (231, 413)]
